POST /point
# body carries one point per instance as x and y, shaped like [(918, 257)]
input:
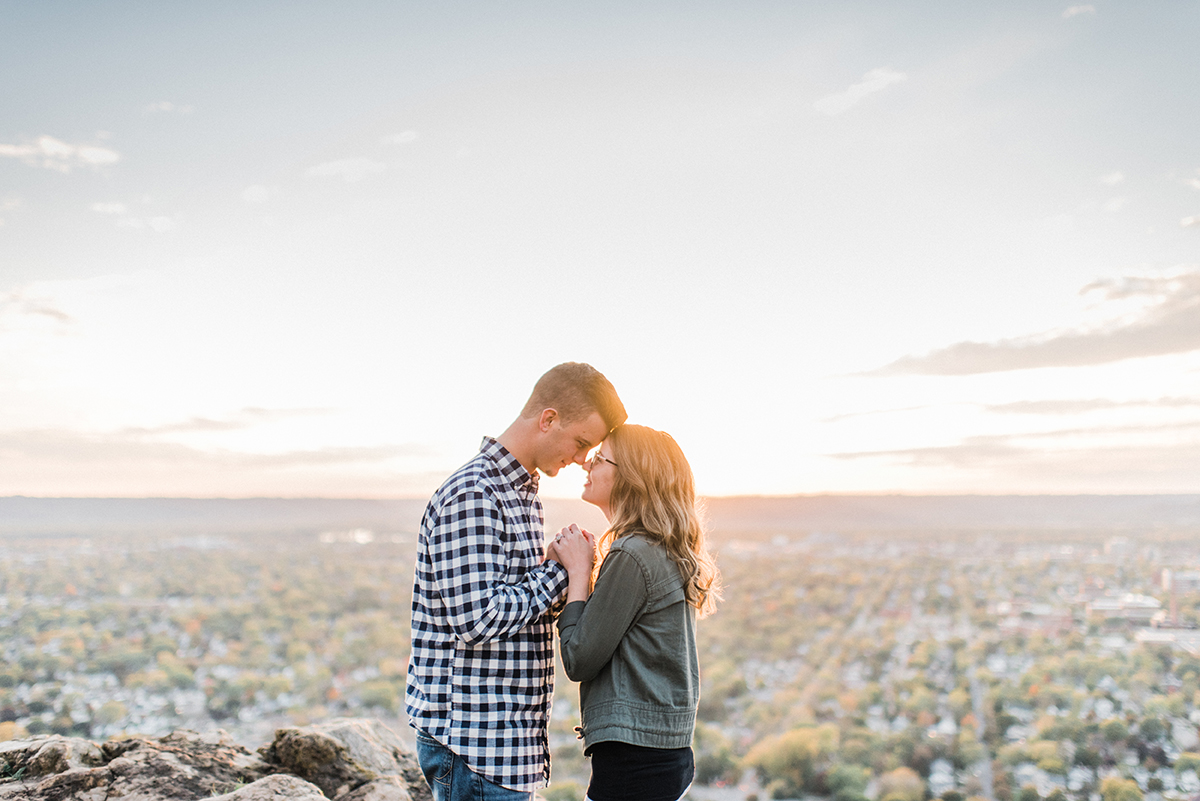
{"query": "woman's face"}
[(601, 473)]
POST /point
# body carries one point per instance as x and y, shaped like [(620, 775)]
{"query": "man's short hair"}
[(575, 390)]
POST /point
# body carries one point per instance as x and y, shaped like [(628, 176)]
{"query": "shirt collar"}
[(509, 467)]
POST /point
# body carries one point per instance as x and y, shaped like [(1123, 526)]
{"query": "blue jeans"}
[(451, 779)]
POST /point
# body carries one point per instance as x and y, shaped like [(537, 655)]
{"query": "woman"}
[(631, 642)]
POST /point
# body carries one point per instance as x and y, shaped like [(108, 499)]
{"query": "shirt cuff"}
[(559, 578)]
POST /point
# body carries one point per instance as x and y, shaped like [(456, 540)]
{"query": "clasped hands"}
[(573, 548)]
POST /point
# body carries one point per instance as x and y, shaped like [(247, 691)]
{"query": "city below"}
[(893, 648)]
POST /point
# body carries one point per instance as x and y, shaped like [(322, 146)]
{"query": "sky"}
[(312, 249)]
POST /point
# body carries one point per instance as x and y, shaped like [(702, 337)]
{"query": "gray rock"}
[(47, 755), (181, 766), (389, 788), (345, 753), (275, 788), (352, 759)]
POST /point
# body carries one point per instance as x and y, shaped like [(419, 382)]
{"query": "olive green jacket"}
[(632, 647)]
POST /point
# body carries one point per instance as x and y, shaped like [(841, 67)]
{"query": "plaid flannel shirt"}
[(481, 673)]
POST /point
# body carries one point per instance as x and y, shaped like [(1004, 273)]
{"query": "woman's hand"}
[(575, 550)]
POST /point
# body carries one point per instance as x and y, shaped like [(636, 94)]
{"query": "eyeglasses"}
[(596, 457)]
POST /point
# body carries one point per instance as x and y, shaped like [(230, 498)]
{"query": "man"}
[(481, 673)]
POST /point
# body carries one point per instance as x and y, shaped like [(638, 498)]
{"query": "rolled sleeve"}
[(484, 581)]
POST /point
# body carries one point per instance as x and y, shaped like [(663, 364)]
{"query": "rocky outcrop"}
[(346, 754), (275, 788), (347, 760)]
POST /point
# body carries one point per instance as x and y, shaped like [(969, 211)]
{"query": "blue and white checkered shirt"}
[(481, 673)]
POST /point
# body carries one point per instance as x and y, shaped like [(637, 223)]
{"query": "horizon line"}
[(749, 496)]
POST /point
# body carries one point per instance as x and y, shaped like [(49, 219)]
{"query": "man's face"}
[(566, 442)]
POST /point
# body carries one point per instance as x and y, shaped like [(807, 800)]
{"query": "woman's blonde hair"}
[(654, 494)]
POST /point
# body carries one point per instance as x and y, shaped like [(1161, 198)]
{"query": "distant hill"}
[(728, 516), (48, 516), (832, 513)]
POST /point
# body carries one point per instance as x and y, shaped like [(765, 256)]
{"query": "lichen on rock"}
[(345, 753), (345, 759)]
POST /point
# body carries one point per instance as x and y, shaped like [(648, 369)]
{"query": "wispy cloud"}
[(18, 306), (1050, 407), (402, 138), (349, 170), (1075, 11), (1084, 405), (68, 463), (1113, 178), (1151, 469), (110, 208), (1188, 222), (54, 154), (1154, 448), (167, 107), (243, 419), (126, 448), (1163, 317), (160, 224), (7, 205), (256, 193), (837, 418), (874, 81)]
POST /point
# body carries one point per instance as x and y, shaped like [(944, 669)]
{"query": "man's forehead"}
[(591, 429)]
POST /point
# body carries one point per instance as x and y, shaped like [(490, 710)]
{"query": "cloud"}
[(117, 449), (1165, 319), (246, 418), (1083, 448), (1066, 406), (17, 307), (7, 205), (347, 169), (59, 463), (874, 81), (167, 107), (402, 138), (198, 456), (1154, 468), (160, 224), (1113, 178), (109, 208), (1075, 11), (54, 154), (256, 194), (1113, 205), (1084, 405), (1151, 459), (837, 418), (1188, 222)]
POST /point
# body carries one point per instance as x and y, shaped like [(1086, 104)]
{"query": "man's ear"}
[(547, 418)]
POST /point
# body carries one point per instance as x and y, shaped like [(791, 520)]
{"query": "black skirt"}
[(624, 772)]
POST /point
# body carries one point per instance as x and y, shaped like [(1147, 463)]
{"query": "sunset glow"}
[(318, 250)]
